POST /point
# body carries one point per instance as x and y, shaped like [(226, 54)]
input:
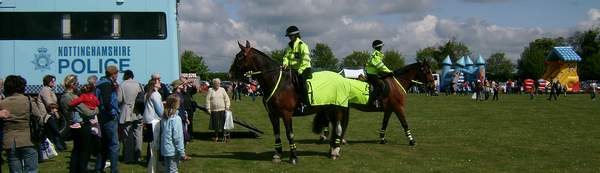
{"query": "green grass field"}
[(453, 133)]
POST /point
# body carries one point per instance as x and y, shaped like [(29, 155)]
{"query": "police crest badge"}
[(42, 59)]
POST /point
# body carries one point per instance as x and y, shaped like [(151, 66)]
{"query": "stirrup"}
[(303, 107)]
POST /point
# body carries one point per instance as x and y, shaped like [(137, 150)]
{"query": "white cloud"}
[(346, 20), (593, 15)]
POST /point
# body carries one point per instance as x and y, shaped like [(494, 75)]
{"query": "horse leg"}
[(276, 132), (336, 142), (287, 121), (402, 118), (324, 125), (345, 120), (384, 124)]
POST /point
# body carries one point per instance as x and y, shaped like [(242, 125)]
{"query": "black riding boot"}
[(375, 97), (303, 89)]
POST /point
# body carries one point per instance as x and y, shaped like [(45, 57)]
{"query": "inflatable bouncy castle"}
[(561, 65), (464, 71)]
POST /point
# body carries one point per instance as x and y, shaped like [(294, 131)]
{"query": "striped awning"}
[(563, 54)]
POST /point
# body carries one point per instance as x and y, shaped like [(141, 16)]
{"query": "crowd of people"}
[(482, 90), (102, 114)]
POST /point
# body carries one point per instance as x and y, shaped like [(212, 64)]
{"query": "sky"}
[(211, 28)]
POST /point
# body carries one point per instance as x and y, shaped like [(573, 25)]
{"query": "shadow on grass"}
[(263, 156)]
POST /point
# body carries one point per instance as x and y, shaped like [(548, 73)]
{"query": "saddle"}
[(385, 89)]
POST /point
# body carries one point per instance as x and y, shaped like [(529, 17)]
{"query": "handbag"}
[(228, 120), (148, 135), (140, 101), (48, 150)]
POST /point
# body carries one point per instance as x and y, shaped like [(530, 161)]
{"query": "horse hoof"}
[(294, 161), (335, 153), (276, 159), (322, 139), (382, 141), (412, 143)]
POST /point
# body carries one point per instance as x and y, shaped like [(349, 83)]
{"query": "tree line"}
[(498, 65)]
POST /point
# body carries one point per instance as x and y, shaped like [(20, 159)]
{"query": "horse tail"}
[(320, 122)]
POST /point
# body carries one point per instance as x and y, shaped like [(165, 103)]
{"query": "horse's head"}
[(424, 75), (245, 61)]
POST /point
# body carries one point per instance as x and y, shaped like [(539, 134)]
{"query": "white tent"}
[(352, 73)]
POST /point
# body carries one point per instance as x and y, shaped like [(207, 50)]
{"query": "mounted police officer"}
[(375, 70), (297, 58)]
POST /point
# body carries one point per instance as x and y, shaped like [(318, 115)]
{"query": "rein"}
[(401, 87), (250, 73)]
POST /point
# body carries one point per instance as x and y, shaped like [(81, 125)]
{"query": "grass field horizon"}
[(453, 133)]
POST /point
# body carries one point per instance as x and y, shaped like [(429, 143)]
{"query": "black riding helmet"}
[(292, 30), (377, 44)]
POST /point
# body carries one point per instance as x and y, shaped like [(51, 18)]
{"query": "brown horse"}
[(281, 100), (393, 101)]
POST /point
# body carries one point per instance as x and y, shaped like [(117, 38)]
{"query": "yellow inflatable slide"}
[(561, 65)]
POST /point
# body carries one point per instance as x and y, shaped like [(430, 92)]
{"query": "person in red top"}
[(88, 98)]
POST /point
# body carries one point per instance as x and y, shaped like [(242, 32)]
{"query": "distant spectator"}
[(152, 112), (593, 91), (164, 90), (51, 127), (178, 89), (87, 98), (239, 89), (107, 88), (46, 94), (189, 104), (171, 137), (92, 79), (252, 90), (80, 155), (1, 88), (217, 102), (21, 152), (130, 120), (495, 92), (553, 90)]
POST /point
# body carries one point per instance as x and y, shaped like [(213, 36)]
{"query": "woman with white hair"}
[(217, 101)]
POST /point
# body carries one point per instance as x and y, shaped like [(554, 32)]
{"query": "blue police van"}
[(83, 37)]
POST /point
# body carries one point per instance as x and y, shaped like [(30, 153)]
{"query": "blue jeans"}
[(170, 163), (109, 146), (23, 159)]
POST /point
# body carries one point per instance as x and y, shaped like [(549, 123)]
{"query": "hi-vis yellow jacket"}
[(297, 58), (375, 64)]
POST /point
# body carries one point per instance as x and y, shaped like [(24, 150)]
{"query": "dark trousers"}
[(110, 146), (132, 141), (377, 85), (80, 155), (302, 90), (495, 97), (53, 134), (552, 95), (190, 126)]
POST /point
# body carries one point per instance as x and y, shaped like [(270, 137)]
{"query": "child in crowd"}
[(89, 99), (51, 127), (171, 136)]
